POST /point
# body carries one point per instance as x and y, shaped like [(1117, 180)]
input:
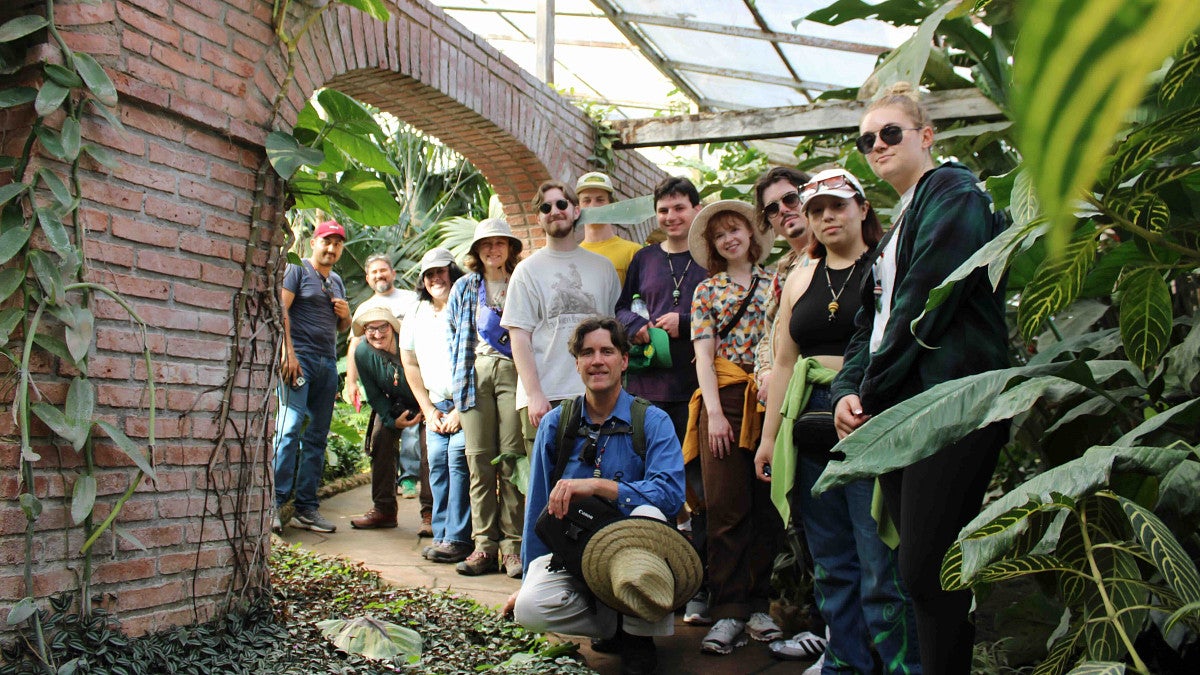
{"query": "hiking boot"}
[(479, 562), (312, 520), (512, 565), (450, 552), (373, 519), (763, 628), (696, 611), (638, 655), (408, 488), (724, 636), (426, 529)]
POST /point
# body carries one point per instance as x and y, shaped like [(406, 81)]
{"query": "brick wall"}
[(168, 228)]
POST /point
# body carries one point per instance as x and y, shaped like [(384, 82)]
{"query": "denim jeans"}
[(410, 453), (450, 481), (857, 578), (300, 456)]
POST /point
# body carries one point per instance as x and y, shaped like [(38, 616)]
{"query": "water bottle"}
[(638, 306)]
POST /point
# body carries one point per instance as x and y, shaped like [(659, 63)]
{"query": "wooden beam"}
[(635, 38), (750, 76), (817, 118), (752, 33), (544, 67)]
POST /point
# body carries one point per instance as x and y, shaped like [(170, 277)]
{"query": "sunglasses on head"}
[(812, 188), (561, 204), (790, 200), (890, 135)]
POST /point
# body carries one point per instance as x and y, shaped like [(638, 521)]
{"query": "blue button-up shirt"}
[(656, 480)]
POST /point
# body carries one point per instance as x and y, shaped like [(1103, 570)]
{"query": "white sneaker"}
[(801, 647), (724, 636), (763, 628), (696, 611), (816, 668)]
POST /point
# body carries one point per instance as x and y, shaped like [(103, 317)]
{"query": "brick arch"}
[(430, 71)]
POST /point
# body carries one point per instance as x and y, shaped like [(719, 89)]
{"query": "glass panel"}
[(724, 12)]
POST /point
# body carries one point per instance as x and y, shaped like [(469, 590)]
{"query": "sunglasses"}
[(890, 135), (560, 204), (790, 200), (811, 188)]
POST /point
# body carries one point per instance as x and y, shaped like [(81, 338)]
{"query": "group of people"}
[(686, 384)]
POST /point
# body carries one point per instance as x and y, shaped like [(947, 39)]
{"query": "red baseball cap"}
[(329, 228)]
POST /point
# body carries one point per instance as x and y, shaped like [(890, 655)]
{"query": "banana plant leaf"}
[(628, 212)]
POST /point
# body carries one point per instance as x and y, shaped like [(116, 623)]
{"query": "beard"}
[(382, 286), (559, 229)]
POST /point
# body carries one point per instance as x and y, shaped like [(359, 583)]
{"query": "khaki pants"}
[(493, 428)]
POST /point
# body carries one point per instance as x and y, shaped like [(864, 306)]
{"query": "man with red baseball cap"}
[(315, 310)]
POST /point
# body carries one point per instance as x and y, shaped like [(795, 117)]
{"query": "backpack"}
[(567, 538)]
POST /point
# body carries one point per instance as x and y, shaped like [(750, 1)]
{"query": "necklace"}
[(833, 305), (675, 293)]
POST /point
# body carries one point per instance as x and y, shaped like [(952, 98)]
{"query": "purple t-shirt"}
[(652, 275), (314, 325)]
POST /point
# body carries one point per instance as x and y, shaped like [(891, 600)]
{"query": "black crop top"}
[(811, 328)]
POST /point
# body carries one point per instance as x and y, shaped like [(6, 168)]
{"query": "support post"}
[(544, 66)]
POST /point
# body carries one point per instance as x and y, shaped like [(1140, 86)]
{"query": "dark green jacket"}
[(382, 376), (949, 219)]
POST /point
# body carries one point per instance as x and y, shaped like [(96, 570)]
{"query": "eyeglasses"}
[(376, 330), (790, 200), (560, 204), (328, 287), (811, 188), (890, 135)]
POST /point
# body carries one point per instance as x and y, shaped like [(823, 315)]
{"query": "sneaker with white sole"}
[(800, 647), (763, 628), (696, 611), (312, 520), (816, 668), (724, 636)]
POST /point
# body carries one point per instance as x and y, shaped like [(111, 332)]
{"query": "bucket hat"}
[(696, 241), (641, 567), (656, 354), (371, 315), (494, 227)]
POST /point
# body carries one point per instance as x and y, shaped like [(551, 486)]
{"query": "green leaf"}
[(71, 138), (906, 63), (362, 149), (80, 329), (374, 8), (370, 201), (1067, 115), (25, 608), (1192, 608), (287, 155), (102, 155), (1021, 397), (7, 192), (62, 75), (1184, 69), (57, 187), (371, 638), (12, 240), (54, 346), (1098, 668), (1102, 279), (83, 497), (127, 536), (1183, 361), (1188, 414), (30, 505), (9, 318), (1145, 317), (897, 12), (347, 431), (49, 98), (51, 141), (1062, 654), (127, 446), (97, 80), (14, 96), (81, 405), (47, 275), (10, 280), (21, 26), (1055, 284), (1152, 179), (56, 233), (347, 114), (1168, 556), (293, 258), (58, 423)]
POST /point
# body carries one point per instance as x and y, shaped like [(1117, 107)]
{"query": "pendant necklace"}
[(833, 305), (395, 377), (675, 293)]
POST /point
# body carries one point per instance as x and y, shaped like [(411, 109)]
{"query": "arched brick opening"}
[(172, 230)]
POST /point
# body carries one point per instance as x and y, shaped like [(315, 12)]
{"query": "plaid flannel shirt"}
[(460, 320)]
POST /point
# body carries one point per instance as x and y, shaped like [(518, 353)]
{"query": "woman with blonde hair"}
[(945, 218)]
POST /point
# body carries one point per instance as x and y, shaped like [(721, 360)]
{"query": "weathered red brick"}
[(172, 211), (201, 25), (81, 14)]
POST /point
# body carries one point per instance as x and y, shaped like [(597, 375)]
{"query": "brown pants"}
[(743, 525), (384, 448), (425, 496)]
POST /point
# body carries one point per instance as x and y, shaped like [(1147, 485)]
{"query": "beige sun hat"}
[(699, 248), (494, 227), (371, 315), (642, 567)]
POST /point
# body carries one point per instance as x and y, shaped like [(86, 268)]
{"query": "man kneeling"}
[(638, 570)]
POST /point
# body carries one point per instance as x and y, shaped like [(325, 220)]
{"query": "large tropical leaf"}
[(1145, 316), (1096, 344), (1000, 540), (362, 149), (347, 114), (1172, 562), (906, 63), (1055, 285), (1100, 54), (1185, 68), (370, 201), (374, 8), (1062, 654), (1098, 668), (372, 638), (1185, 416), (287, 155)]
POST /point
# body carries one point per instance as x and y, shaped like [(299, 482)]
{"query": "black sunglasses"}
[(562, 205), (790, 200), (890, 134)]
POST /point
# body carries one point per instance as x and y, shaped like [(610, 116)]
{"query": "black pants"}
[(930, 501)]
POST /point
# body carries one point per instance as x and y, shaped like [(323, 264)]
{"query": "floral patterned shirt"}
[(713, 306)]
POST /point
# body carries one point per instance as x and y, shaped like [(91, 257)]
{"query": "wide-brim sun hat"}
[(642, 567), (699, 248), (815, 187), (371, 315), (495, 227), (434, 258)]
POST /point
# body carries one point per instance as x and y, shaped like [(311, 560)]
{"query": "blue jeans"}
[(410, 453), (300, 457), (450, 482), (857, 578)]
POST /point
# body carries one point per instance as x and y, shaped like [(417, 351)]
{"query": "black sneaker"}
[(638, 655), (312, 520)]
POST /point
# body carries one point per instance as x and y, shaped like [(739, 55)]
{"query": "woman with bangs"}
[(728, 321), (857, 584)]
